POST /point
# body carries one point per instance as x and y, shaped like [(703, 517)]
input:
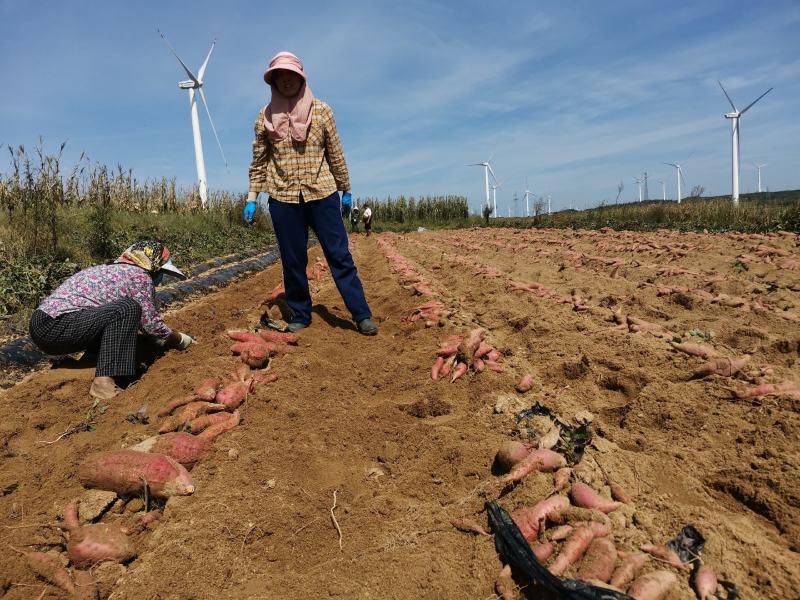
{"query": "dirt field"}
[(339, 420)]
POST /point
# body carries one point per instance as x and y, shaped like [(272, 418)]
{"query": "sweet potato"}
[(531, 520), (525, 384), (468, 526), (665, 554), (598, 562), (254, 354), (277, 293), (89, 545), (470, 344), (559, 533), (618, 493), (585, 497), (232, 395), (207, 390), (479, 365), (187, 413), (652, 586), (459, 370), (209, 433), (538, 460), (543, 552), (182, 447), (510, 453), (437, 367), (631, 564), (505, 586), (576, 544), (483, 350), (49, 568), (724, 366), (245, 337), (705, 583), (561, 478), (172, 405), (126, 471), (279, 337), (494, 366), (201, 423), (700, 350)]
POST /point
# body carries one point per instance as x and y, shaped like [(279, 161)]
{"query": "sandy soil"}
[(338, 421)]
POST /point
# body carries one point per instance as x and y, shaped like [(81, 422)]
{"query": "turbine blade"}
[(185, 68), (210, 120), (492, 172), (728, 97), (202, 70), (756, 100)]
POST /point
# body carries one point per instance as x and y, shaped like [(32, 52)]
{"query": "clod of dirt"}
[(93, 503), (576, 370), (432, 408), (506, 404), (519, 323), (683, 300)]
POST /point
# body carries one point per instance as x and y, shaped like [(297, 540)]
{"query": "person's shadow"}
[(331, 319)]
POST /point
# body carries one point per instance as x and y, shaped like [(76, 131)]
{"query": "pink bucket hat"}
[(284, 60)]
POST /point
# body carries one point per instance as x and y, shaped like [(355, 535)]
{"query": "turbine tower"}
[(646, 193), (734, 117), (679, 176), (496, 185), (639, 183), (196, 84), (548, 204), (487, 168), (527, 204), (663, 189), (759, 175)]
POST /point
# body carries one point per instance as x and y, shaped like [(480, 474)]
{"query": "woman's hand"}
[(250, 211)]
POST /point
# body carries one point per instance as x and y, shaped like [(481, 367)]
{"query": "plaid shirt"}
[(314, 168)]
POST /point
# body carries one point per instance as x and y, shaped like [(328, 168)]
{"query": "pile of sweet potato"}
[(460, 353), (572, 532)]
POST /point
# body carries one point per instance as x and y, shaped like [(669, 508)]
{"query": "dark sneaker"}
[(295, 327), (367, 327)]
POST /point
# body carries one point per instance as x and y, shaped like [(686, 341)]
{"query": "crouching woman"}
[(101, 308)]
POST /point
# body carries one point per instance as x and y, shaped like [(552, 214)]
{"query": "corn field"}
[(754, 213), (54, 221), (425, 210)]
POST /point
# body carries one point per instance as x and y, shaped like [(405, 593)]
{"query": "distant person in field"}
[(102, 308), (355, 218), (298, 160), (367, 218)]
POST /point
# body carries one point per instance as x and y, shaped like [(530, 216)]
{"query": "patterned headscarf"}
[(150, 255)]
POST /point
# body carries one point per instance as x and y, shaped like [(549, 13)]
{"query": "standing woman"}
[(298, 160)]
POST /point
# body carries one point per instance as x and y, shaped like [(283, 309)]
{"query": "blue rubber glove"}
[(347, 199), (250, 211)]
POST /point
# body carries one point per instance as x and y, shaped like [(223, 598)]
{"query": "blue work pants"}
[(291, 222)]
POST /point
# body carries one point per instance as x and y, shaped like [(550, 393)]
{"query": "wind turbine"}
[(496, 185), (734, 117), (487, 168), (527, 204), (548, 204), (192, 84), (759, 175), (639, 183), (679, 176), (663, 189)]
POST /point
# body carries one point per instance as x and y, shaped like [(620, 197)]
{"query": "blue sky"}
[(575, 96)]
